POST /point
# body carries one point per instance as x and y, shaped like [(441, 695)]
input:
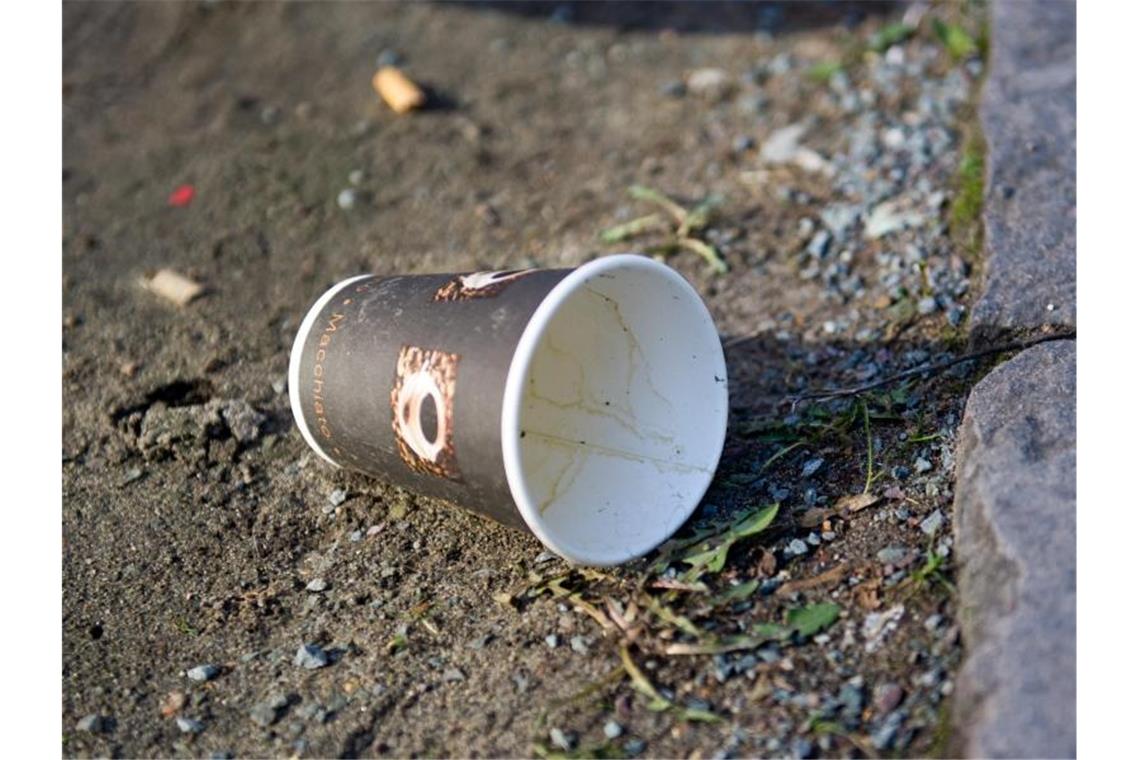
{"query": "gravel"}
[(346, 198), (94, 724), (851, 699), (802, 748), (551, 640), (894, 555), (634, 747), (564, 740), (932, 523), (203, 673), (796, 548), (612, 729), (338, 497), (388, 57), (811, 467), (190, 726), (316, 585), (710, 83), (887, 697), (310, 657), (884, 736), (922, 465), (269, 711)]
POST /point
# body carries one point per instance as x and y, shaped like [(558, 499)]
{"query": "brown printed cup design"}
[(592, 412), (478, 285), (423, 410)]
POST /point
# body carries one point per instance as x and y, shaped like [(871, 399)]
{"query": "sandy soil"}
[(190, 540)]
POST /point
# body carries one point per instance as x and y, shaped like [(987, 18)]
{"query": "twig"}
[(870, 448), (827, 395)]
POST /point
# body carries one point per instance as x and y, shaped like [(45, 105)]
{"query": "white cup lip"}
[(514, 392), (294, 377)]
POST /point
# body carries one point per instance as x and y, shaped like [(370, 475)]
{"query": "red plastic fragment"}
[(182, 196)]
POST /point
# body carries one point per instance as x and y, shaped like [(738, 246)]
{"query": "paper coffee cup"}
[(586, 405)]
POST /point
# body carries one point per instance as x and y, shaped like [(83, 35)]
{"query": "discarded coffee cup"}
[(587, 405)]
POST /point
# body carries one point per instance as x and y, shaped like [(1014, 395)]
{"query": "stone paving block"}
[(1015, 527), (1028, 115)]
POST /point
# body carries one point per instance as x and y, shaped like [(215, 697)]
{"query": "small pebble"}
[(927, 305), (373, 531), (562, 739), (884, 736), (453, 675), (811, 467), (932, 622), (337, 497), (317, 585), (817, 248), (922, 465), (95, 724), (480, 642), (673, 89), (612, 729), (310, 657), (346, 198), (551, 640), (266, 713), (189, 725), (802, 748), (887, 697), (893, 555), (356, 177), (580, 644), (388, 57), (710, 83), (796, 548), (932, 523), (634, 747), (202, 673)]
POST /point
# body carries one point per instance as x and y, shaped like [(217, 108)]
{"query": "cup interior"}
[(615, 410)]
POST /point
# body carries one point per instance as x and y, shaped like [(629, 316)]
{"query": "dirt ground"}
[(194, 517)]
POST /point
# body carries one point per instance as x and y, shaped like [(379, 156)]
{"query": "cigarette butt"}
[(399, 92), (173, 287)]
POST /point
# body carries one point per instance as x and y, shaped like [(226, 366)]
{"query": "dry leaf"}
[(815, 517), (857, 502), (867, 594), (825, 578), (767, 564)]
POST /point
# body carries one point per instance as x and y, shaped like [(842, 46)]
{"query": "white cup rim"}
[(513, 401)]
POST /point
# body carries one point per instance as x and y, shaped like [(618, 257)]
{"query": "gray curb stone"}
[(1028, 115), (1015, 528)]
